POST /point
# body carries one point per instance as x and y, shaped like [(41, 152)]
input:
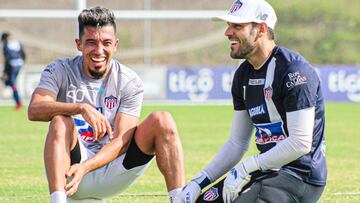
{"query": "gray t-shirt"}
[(120, 91)]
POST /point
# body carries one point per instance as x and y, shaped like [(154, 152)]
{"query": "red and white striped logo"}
[(211, 195), (110, 102), (268, 92), (236, 6)]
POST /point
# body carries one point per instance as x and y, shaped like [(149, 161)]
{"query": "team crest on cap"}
[(211, 195), (236, 6), (110, 102)]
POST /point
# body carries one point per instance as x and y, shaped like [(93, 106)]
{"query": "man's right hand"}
[(75, 175), (98, 121)]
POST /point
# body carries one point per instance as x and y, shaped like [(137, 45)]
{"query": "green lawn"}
[(203, 129)]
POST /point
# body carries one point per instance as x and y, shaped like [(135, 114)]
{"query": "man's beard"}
[(97, 74), (243, 52), (247, 47)]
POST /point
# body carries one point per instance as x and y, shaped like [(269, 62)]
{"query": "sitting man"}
[(278, 93), (95, 146)]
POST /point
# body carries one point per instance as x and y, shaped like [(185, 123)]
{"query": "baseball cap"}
[(246, 11)]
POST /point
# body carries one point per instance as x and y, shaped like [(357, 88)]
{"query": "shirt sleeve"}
[(52, 77), (300, 125), (132, 97), (234, 149), (300, 86)]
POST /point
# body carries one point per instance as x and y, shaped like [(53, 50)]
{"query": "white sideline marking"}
[(155, 194), (144, 194), (345, 193)]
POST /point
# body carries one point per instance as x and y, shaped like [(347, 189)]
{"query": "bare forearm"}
[(107, 154), (125, 126), (46, 110)]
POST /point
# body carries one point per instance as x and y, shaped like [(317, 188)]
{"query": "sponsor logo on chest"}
[(295, 79), (256, 81), (85, 131), (257, 110), (269, 133), (81, 93)]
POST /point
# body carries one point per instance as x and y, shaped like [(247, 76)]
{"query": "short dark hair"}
[(4, 36), (270, 32), (95, 17)]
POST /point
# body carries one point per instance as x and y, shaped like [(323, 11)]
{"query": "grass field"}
[(202, 129)]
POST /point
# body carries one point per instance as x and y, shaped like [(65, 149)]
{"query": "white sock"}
[(58, 197), (174, 192)]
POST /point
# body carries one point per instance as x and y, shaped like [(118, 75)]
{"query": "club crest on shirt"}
[(211, 195), (110, 102), (268, 92)]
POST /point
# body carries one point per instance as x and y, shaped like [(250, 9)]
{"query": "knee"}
[(61, 121), (60, 125), (163, 123)]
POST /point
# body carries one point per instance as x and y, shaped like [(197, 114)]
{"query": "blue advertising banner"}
[(199, 84), (340, 83)]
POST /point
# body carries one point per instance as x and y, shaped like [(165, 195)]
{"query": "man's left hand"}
[(76, 172), (238, 178), (189, 193)]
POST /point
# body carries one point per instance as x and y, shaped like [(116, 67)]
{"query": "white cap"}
[(246, 11)]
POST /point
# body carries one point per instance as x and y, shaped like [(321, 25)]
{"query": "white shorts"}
[(108, 180)]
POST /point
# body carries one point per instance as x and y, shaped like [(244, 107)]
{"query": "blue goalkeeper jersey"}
[(285, 83)]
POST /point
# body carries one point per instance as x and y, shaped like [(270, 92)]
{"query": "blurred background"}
[(179, 52), (182, 57)]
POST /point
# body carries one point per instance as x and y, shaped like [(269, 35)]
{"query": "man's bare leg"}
[(60, 139), (158, 134)]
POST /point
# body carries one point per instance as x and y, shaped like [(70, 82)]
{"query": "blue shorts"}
[(11, 73)]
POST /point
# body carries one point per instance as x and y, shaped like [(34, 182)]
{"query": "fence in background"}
[(147, 14)]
